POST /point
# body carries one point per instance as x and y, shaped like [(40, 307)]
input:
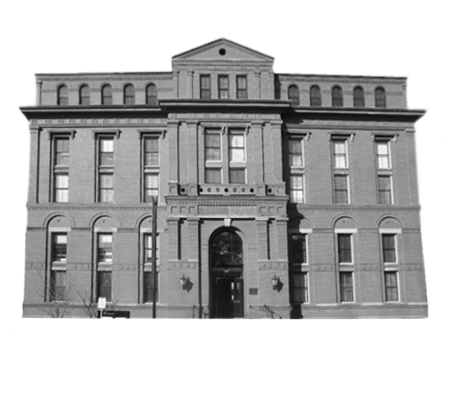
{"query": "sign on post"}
[(101, 303)]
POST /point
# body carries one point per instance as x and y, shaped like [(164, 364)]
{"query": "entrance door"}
[(228, 302), (227, 294)]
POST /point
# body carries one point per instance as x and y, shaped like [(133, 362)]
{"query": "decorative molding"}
[(278, 265), (70, 132), (99, 208), (349, 209), (103, 78)]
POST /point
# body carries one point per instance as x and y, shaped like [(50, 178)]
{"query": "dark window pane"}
[(152, 95), (148, 287), (298, 243), (391, 286), (358, 97), (129, 95), (104, 285), (205, 86), (107, 95), (213, 175), (380, 98), (241, 84), (336, 97), (300, 287), (346, 286), (237, 175), (340, 189), (389, 251), (345, 248), (384, 190), (294, 96), (315, 96)]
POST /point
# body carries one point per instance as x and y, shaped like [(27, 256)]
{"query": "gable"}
[(222, 50)]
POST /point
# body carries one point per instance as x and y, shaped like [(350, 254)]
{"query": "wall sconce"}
[(276, 283), (186, 283)]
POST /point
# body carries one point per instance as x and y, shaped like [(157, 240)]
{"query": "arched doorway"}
[(226, 265)]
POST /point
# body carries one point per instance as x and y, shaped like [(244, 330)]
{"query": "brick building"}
[(278, 195)]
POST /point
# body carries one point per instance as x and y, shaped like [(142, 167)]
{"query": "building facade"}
[(277, 195)]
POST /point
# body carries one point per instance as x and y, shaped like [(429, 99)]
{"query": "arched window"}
[(315, 96), (85, 95), (151, 95), (358, 97), (63, 95), (294, 96), (226, 249), (128, 94), (336, 97), (107, 92), (380, 97)]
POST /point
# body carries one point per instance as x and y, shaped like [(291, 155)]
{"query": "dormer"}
[(223, 70)]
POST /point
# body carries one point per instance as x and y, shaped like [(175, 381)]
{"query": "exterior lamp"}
[(276, 283), (186, 283)]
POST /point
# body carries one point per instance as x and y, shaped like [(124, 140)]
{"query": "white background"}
[(421, 54)]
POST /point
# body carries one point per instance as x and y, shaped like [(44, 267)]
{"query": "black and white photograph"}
[(240, 199)]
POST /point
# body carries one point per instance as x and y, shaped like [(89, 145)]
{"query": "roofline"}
[(218, 40), (103, 73), (342, 76)]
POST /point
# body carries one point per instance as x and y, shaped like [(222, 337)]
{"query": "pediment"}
[(222, 50)]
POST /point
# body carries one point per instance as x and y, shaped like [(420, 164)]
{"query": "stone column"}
[(33, 176)]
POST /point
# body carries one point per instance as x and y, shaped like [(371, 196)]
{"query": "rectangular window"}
[(213, 175), (59, 247), (205, 86), (296, 153), (391, 285), (61, 187), (151, 151), (213, 146), (151, 187), (384, 189), (341, 189), (340, 157), (383, 155), (237, 175), (344, 248), (106, 188), (389, 248), (297, 189), (58, 285), (106, 152), (104, 284), (300, 287), (148, 248), (299, 252), (241, 87), (148, 287), (346, 286), (61, 152), (223, 87), (104, 253), (236, 146)]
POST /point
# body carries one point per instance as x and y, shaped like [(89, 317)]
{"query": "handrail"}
[(195, 307), (266, 309)]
